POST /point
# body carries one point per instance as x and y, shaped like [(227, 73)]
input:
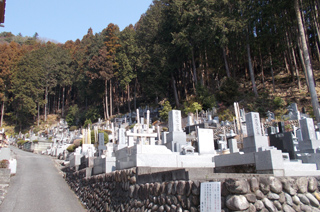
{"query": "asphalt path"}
[(38, 187)]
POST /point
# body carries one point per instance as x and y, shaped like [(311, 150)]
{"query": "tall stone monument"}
[(309, 143), (255, 139), (205, 141), (176, 138)]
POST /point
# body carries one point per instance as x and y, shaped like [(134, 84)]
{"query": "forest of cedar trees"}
[(264, 54)]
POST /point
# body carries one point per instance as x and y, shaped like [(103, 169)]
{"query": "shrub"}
[(205, 98), (35, 141), (278, 102), (229, 91), (87, 123), (106, 135), (73, 128), (164, 113), (226, 115), (132, 126), (164, 129), (36, 129), (72, 115), (21, 142), (193, 108), (92, 114), (71, 148), (109, 132), (77, 142), (4, 164)]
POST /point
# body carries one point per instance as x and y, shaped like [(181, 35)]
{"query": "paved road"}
[(38, 187)]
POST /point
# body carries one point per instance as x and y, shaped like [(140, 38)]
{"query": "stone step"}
[(299, 166), (4, 186), (294, 173)]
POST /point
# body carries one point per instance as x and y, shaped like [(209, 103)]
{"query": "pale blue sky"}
[(62, 20)]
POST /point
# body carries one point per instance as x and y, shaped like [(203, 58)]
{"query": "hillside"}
[(285, 88)]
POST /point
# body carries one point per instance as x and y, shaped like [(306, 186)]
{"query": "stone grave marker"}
[(205, 141), (122, 142), (307, 129), (253, 124), (233, 145), (101, 146), (281, 127), (255, 139), (309, 143), (175, 121), (176, 138)]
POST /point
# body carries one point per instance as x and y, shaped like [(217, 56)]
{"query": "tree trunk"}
[(135, 94), (195, 81), (2, 112), (289, 44), (261, 68), (110, 98), (303, 65), (251, 69), (38, 113), (286, 63), (128, 90), (2, 108), (106, 99), (175, 91), (272, 74), (62, 105), (46, 104), (225, 61), (54, 104), (296, 68), (68, 96), (207, 68), (202, 70), (59, 99), (317, 49), (104, 110), (313, 93)]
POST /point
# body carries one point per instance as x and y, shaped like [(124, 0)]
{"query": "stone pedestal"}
[(175, 141), (233, 146), (75, 160), (104, 165), (253, 143)]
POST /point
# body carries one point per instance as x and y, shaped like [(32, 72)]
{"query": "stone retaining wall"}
[(119, 191)]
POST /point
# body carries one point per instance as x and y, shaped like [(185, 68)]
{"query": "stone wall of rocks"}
[(118, 191)]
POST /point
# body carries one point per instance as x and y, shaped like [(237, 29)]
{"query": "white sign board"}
[(210, 197)]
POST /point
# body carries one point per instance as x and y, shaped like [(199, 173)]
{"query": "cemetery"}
[(249, 165)]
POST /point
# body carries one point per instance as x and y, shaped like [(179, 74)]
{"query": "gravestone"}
[(255, 139), (205, 141), (295, 111), (309, 143), (122, 142), (285, 142), (307, 129), (232, 143), (299, 135), (101, 146), (281, 127), (176, 138), (271, 131), (164, 137), (190, 120)]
